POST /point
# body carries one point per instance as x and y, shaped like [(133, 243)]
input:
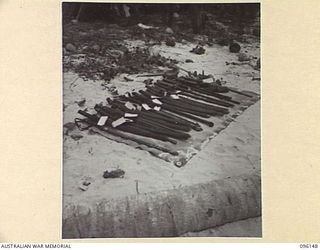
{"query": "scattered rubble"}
[(99, 51), (107, 65)]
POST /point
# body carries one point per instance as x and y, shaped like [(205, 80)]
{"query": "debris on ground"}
[(108, 63), (118, 173), (199, 50), (84, 183), (100, 50)]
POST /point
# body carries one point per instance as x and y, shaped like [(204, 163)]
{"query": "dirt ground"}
[(234, 151)]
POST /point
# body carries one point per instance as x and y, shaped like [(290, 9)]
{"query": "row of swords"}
[(167, 110)]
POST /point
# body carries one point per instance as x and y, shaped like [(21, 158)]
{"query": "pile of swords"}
[(167, 110)]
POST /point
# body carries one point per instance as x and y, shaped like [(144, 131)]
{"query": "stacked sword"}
[(165, 111)]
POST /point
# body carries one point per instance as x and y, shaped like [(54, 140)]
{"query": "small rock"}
[(74, 21), (169, 30), (242, 57), (198, 50), (189, 61), (176, 15), (81, 103), (76, 137), (71, 47), (118, 173), (234, 48), (171, 42)]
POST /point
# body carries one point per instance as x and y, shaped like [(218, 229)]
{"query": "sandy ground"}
[(242, 228), (234, 151)]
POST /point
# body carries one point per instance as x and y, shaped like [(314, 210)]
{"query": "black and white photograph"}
[(161, 120)]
